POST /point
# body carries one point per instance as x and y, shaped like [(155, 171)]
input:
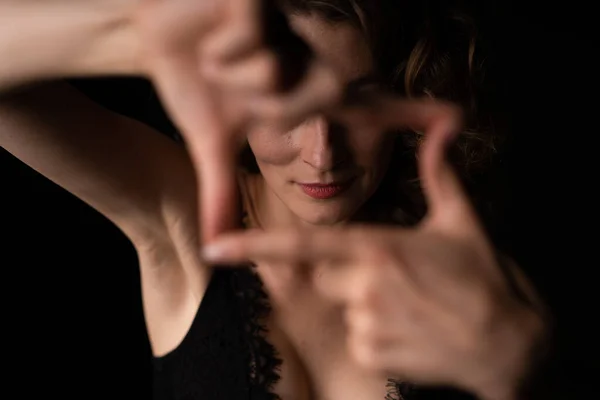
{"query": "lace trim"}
[(262, 358), (398, 390)]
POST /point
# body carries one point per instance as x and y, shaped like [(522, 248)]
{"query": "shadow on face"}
[(321, 172)]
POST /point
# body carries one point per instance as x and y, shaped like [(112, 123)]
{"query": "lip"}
[(324, 191)]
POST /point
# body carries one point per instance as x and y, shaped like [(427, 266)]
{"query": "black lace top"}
[(225, 355)]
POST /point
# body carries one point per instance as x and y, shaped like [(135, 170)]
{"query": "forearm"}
[(45, 39)]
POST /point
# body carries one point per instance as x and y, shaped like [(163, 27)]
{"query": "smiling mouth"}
[(324, 191)]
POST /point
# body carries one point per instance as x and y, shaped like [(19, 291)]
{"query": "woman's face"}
[(321, 172)]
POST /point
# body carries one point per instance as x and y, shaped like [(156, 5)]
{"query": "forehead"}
[(342, 45)]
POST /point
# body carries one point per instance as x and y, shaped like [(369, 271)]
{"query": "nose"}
[(322, 145)]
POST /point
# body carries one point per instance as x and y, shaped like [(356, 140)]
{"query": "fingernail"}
[(212, 252)]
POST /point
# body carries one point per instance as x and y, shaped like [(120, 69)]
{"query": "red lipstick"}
[(325, 191)]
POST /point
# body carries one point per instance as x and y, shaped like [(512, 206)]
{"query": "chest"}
[(308, 335)]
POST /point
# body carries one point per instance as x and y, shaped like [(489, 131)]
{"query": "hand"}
[(428, 304), (219, 65)]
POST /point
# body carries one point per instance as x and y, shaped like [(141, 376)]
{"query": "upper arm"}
[(127, 171), (136, 177)]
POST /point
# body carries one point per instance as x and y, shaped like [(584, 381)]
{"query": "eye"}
[(361, 90), (363, 85), (369, 87)]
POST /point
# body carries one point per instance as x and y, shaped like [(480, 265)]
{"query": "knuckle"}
[(365, 290), (365, 352), (364, 325), (366, 295)]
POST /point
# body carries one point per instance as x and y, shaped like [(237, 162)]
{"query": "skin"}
[(320, 150), (414, 301), (176, 44), (155, 204), (217, 74)]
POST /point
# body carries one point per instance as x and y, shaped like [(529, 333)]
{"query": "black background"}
[(72, 320)]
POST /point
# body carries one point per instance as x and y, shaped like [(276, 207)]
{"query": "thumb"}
[(217, 182), (446, 199), (188, 100)]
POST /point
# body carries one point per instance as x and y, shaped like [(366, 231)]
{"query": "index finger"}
[(384, 111), (291, 246)]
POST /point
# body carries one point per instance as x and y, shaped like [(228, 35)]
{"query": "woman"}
[(214, 332)]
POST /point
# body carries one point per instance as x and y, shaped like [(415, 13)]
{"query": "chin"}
[(326, 214)]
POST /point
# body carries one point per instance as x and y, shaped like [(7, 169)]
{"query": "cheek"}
[(272, 148)]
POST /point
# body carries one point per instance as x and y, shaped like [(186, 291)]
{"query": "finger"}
[(257, 74), (368, 350), (240, 33), (260, 27), (219, 201), (338, 284), (447, 201), (379, 344), (385, 112), (187, 100), (440, 122), (319, 90), (413, 361), (286, 247), (173, 30), (294, 54), (369, 285)]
